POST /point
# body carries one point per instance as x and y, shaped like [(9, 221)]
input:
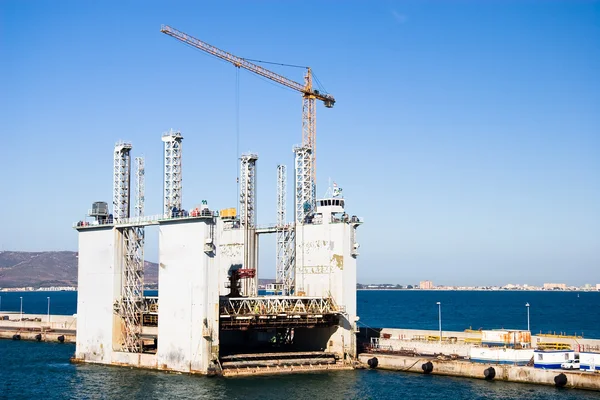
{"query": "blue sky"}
[(466, 133)]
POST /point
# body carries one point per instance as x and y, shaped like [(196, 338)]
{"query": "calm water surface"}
[(42, 370)]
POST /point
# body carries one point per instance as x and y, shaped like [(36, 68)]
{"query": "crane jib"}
[(239, 62)]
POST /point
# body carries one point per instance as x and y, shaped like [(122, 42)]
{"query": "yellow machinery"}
[(553, 346), (227, 213)]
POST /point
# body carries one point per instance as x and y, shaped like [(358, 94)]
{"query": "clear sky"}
[(466, 133)]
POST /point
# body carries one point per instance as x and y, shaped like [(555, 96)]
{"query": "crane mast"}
[(309, 95)]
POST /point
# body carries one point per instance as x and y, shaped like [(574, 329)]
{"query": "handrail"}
[(141, 220)]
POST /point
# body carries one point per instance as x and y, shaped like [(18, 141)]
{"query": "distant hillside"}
[(49, 268)]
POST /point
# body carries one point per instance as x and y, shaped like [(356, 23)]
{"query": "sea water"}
[(42, 370)]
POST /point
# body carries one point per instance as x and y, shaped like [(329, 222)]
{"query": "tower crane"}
[(309, 95)]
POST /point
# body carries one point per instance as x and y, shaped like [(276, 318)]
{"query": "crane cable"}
[(237, 135), (317, 81), (274, 63)]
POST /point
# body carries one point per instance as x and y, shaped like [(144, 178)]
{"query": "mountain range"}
[(50, 268)]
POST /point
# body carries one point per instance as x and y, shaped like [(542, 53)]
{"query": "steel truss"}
[(248, 219), (256, 306), (172, 171), (305, 189), (121, 180), (286, 234), (132, 291), (140, 187), (309, 126), (248, 189)]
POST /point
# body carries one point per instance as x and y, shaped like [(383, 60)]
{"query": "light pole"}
[(527, 305), (440, 318), (21, 297), (48, 310)]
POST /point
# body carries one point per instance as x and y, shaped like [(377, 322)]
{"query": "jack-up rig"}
[(209, 316)]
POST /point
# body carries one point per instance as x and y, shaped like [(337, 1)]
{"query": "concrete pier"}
[(458, 368), (37, 327)]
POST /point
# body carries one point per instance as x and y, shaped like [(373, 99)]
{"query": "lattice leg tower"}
[(305, 198), (133, 288), (289, 266), (140, 187), (248, 189), (248, 217), (281, 221), (132, 292), (172, 185), (286, 247), (121, 181)]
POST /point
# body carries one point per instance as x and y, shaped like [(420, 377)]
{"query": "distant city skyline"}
[(466, 134), (428, 285)]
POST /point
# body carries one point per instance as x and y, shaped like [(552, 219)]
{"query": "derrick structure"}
[(172, 184), (121, 181), (248, 220), (285, 236), (305, 188), (132, 290)]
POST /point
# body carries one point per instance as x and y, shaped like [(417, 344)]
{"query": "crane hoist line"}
[(309, 95)]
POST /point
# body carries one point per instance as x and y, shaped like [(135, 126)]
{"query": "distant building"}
[(598, 287), (425, 285), (555, 286)]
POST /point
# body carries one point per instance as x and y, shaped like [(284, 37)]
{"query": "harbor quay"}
[(497, 354), (38, 327), (487, 371)]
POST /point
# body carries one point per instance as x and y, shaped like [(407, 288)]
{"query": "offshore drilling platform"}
[(209, 317)]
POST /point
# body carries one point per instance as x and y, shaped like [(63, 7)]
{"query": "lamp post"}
[(48, 310), (21, 297), (528, 328), (440, 318)]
